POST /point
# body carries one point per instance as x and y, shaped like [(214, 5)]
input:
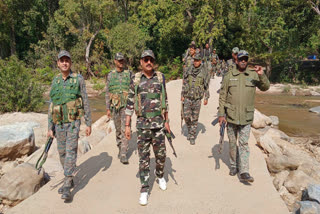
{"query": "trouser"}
[(155, 138), (239, 155), (191, 110), (119, 119), (67, 135)]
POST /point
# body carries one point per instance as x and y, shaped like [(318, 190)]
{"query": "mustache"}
[(148, 65)]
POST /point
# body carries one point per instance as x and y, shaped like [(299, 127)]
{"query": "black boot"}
[(124, 159), (233, 171), (192, 142), (245, 177), (66, 195), (60, 190)]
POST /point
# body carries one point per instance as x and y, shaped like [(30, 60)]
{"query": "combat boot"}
[(245, 177), (124, 159), (233, 171), (143, 200), (192, 142), (119, 153), (60, 190), (66, 193)]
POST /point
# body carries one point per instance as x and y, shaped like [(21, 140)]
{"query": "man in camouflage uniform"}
[(118, 83), (232, 62), (195, 86), (189, 60), (214, 62), (236, 106), (69, 101), (148, 97), (188, 52)]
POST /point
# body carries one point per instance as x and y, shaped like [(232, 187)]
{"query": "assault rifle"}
[(170, 136), (221, 140), (44, 154)]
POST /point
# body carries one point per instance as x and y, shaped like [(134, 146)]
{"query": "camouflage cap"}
[(197, 56), (64, 53), (147, 53), (214, 49), (235, 50), (243, 53), (119, 56)]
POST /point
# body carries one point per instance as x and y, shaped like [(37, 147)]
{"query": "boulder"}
[(315, 110), (268, 145), (8, 166), (259, 132), (288, 198), (297, 181), (17, 140), (308, 207), (275, 120), (312, 193), (20, 182), (314, 93), (312, 169), (276, 133), (277, 163), (303, 92), (279, 179), (260, 120)]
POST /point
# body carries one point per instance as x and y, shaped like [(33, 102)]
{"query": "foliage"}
[(19, 90)]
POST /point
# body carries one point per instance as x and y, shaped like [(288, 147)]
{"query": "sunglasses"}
[(243, 59), (147, 59)]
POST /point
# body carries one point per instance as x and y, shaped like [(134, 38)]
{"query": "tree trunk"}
[(13, 39), (88, 62), (269, 61)]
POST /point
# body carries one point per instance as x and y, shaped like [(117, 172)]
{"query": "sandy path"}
[(195, 184)]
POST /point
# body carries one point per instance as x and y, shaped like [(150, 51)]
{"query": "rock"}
[(308, 207), (315, 110), (83, 146), (312, 193), (259, 132), (279, 179), (16, 140), (314, 93), (276, 133), (20, 182), (268, 144), (303, 92), (260, 120), (9, 166), (277, 163), (297, 181), (312, 169), (288, 198), (275, 120)]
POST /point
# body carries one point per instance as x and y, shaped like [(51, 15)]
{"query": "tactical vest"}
[(196, 85), (162, 97), (118, 90), (66, 105)]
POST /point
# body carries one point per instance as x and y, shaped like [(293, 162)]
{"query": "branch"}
[(314, 6)]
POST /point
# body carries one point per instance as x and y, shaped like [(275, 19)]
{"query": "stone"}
[(314, 93), (83, 146), (288, 198), (279, 179), (275, 120), (259, 132), (303, 92), (20, 182), (17, 140), (297, 181), (315, 110), (277, 163), (312, 193), (312, 169), (268, 145), (276, 133), (8, 166), (308, 207), (260, 120)]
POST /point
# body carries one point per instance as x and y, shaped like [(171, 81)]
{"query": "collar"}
[(154, 73), (236, 72)]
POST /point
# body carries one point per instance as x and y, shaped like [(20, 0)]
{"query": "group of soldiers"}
[(145, 94)]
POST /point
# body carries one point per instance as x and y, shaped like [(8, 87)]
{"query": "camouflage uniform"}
[(146, 98), (117, 103), (214, 57), (67, 133), (195, 87), (236, 101)]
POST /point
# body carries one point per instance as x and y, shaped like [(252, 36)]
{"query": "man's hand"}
[(108, 113), (182, 99), (50, 134), (88, 131), (221, 120), (258, 69), (128, 132), (205, 102), (167, 126)]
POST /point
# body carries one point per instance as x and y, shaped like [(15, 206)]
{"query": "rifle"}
[(221, 140), (44, 154), (170, 136)]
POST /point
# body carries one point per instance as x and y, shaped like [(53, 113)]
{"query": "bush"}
[(19, 90)]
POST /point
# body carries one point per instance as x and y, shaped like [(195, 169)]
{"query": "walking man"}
[(148, 97), (118, 84), (195, 87), (69, 101), (236, 107), (214, 62), (189, 60), (232, 62)]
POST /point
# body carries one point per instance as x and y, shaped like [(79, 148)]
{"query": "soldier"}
[(236, 101), (118, 83), (189, 60), (195, 87), (69, 101), (148, 97), (188, 51), (232, 62), (206, 53), (214, 62)]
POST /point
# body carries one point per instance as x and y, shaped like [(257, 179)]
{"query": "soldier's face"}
[(196, 63), (234, 56), (147, 63), (192, 51), (64, 64), (207, 46), (243, 62), (119, 63)]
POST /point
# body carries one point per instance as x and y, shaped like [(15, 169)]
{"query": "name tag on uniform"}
[(233, 79)]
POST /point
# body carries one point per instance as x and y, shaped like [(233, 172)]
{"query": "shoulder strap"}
[(137, 78)]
